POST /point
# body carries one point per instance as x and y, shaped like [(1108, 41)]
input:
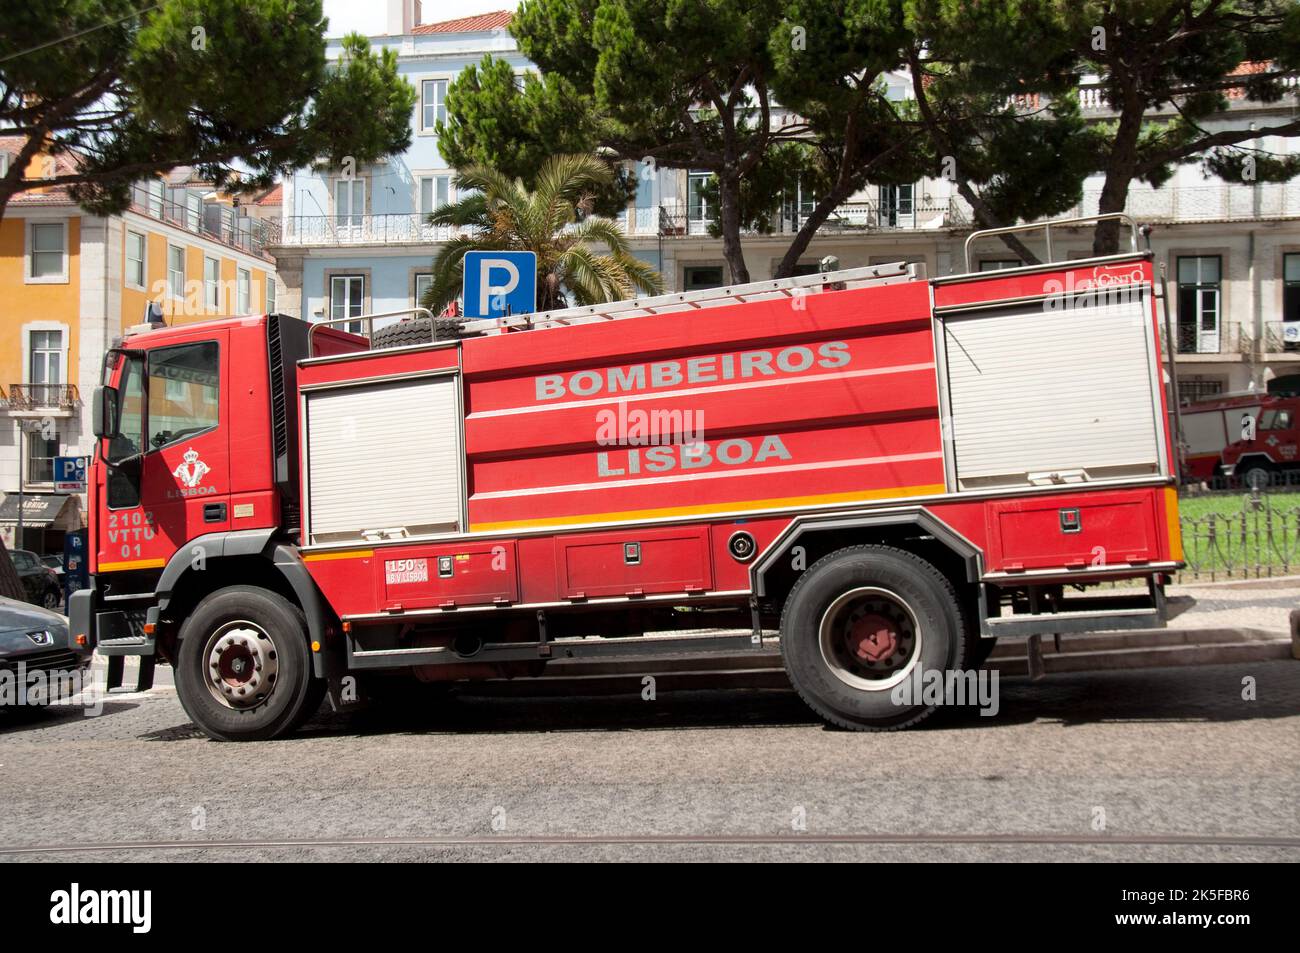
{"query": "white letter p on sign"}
[(486, 290)]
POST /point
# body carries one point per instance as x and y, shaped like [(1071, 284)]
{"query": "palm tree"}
[(502, 214)]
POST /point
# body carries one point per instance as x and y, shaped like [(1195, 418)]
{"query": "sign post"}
[(498, 283)]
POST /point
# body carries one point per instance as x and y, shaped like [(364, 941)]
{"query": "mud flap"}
[(117, 671), (1034, 657)]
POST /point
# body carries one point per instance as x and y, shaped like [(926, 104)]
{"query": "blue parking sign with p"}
[(70, 473), (498, 283)]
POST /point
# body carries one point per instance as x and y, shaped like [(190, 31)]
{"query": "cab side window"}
[(123, 488)]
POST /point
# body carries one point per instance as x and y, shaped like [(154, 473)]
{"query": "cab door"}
[(186, 471), (173, 479)]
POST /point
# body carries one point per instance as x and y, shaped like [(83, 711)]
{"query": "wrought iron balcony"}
[(43, 398)]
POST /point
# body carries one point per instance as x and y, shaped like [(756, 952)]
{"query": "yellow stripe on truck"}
[(349, 554), (133, 564), (714, 509), (1175, 528)]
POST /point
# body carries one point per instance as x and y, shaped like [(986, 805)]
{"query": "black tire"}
[(52, 600), (289, 698), (1257, 474), (917, 595), (416, 331)]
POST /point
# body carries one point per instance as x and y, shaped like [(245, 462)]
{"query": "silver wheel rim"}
[(849, 618), (240, 665)]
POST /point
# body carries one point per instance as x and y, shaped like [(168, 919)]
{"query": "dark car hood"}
[(19, 618)]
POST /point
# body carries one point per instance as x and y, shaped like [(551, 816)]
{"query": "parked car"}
[(54, 562), (40, 583), (38, 638)]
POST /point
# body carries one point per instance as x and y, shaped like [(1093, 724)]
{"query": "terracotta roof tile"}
[(475, 24), (273, 196)]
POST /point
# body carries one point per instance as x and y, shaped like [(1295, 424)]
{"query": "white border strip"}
[(692, 391)]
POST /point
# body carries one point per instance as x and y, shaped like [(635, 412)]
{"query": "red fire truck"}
[(1209, 426), (1270, 451), (890, 472)]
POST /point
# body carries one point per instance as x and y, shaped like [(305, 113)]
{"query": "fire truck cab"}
[(888, 472), (1271, 449)]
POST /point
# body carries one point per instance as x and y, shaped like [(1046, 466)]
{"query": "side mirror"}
[(104, 413)]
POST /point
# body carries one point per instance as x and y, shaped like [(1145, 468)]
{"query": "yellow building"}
[(70, 283)]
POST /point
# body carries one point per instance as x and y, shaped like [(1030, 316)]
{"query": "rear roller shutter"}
[(1041, 396)]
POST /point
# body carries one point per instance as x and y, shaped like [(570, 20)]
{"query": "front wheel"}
[(857, 627), (243, 670), (1258, 476)]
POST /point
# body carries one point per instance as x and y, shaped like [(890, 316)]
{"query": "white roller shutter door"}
[(1036, 392), (383, 457)]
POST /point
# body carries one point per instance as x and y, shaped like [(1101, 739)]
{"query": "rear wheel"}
[(243, 670), (859, 623)]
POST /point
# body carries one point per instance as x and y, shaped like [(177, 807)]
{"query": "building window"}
[(433, 103), (41, 451), (1199, 303), (270, 294), (349, 202), (799, 202), (193, 211), (999, 264), (1198, 388), (897, 206), (135, 252), (212, 283), (45, 363), (347, 299), (423, 281), (435, 192), (155, 198), (245, 291), (176, 271), (47, 251), (1291, 302), (699, 278), (698, 209)]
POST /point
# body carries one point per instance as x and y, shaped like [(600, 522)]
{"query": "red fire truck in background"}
[(1209, 426), (889, 471), (1268, 452)]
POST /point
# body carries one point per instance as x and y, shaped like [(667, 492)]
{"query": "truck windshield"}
[(1275, 420), (181, 398)]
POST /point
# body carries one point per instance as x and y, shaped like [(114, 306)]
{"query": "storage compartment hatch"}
[(384, 460)]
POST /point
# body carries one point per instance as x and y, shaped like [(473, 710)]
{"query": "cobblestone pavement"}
[(1257, 603), (1081, 765)]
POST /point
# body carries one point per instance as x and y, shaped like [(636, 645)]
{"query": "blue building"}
[(354, 240)]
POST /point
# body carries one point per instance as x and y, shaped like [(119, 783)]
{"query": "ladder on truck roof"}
[(771, 290), (891, 273)]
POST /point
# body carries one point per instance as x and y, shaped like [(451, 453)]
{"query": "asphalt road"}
[(1170, 764)]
